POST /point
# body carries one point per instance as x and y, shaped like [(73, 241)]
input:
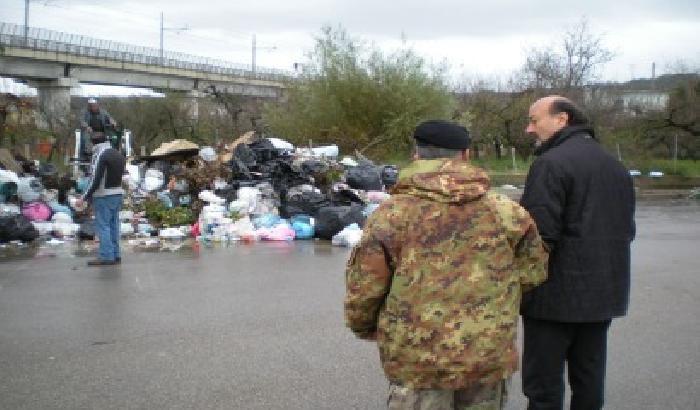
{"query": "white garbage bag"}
[(126, 215), (8, 176), (281, 144), (208, 154), (9, 209), (29, 189), (349, 236), (153, 180), (62, 218), (249, 197), (171, 233), (210, 197), (126, 229), (134, 176), (349, 162)]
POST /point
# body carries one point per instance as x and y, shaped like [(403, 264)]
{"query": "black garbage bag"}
[(366, 177), (245, 154), (304, 203), (332, 219), (342, 195), (17, 228), (28, 166), (87, 230), (239, 170), (264, 150), (245, 183), (390, 174), (65, 184), (49, 176), (228, 193), (313, 167), (47, 169), (283, 175)]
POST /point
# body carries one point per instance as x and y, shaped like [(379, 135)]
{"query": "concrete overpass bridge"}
[(53, 62)]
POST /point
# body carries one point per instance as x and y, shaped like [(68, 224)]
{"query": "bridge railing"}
[(49, 40)]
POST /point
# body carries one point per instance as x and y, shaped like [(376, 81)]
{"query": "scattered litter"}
[(210, 197), (694, 193), (349, 162), (350, 236), (208, 154), (171, 233)]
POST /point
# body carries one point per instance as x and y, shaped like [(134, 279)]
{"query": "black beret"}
[(443, 134)]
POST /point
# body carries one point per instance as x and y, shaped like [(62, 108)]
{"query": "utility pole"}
[(26, 22), (162, 29), (675, 154), (254, 52), (161, 37)]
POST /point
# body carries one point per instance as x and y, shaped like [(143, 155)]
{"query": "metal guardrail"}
[(48, 40)]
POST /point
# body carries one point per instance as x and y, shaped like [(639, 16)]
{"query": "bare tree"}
[(571, 65)]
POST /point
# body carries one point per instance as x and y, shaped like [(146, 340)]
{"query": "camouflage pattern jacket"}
[(439, 274)]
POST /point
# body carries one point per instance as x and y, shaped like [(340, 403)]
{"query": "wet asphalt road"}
[(260, 327)]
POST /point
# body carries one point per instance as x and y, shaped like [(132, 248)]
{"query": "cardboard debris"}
[(246, 138), (174, 147), (8, 161)]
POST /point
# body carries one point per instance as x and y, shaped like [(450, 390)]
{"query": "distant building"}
[(636, 97), (630, 102)]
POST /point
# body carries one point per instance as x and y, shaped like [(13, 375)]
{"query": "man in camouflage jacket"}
[(438, 276)]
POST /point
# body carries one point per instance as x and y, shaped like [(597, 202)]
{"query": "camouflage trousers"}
[(478, 397)]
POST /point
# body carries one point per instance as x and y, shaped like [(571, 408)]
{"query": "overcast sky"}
[(476, 38)]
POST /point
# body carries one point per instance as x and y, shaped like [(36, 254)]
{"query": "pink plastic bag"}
[(281, 232), (37, 211)]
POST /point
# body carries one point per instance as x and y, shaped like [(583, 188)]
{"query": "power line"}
[(129, 18)]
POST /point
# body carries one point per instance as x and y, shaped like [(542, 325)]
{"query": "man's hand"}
[(79, 203)]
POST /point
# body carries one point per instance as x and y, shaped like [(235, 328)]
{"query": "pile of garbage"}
[(35, 200), (253, 189)]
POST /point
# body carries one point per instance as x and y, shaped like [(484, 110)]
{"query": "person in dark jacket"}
[(105, 191), (582, 200), (93, 121)]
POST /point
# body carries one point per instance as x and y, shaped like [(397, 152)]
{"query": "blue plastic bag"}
[(266, 221), (302, 226), (165, 199), (81, 184), (56, 208)]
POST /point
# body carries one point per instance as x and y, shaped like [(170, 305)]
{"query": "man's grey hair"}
[(433, 152)]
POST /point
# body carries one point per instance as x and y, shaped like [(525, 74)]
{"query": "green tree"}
[(680, 120), (499, 117), (353, 94)]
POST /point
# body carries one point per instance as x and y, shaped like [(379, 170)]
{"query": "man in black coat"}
[(582, 200)]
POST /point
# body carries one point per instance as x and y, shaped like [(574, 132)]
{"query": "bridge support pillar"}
[(54, 103), (191, 103)]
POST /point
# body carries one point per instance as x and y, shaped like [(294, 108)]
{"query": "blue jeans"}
[(107, 225)]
